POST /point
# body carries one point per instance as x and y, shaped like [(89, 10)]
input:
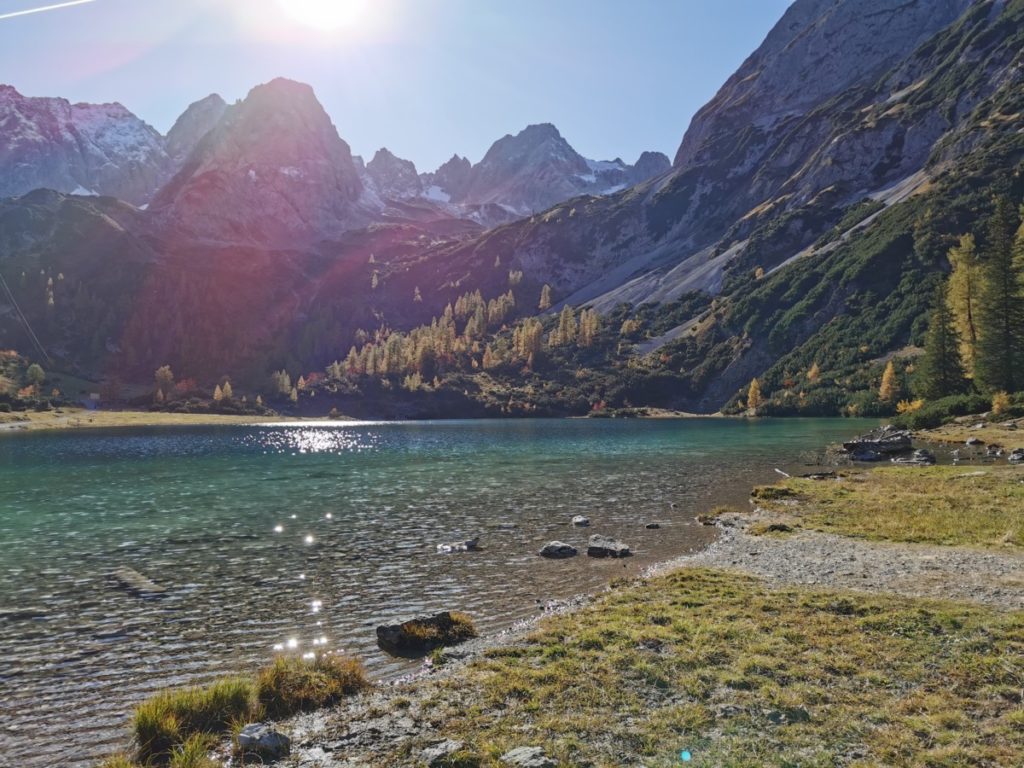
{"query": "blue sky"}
[(425, 78)]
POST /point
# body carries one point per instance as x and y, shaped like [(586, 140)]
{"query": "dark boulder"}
[(606, 546), (421, 635), (558, 549)]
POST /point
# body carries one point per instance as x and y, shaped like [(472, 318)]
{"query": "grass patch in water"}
[(743, 675), (177, 728), (289, 686), (947, 505)]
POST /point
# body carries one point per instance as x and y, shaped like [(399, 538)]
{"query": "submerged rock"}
[(418, 636), (262, 741), (558, 549), (528, 757), (606, 546), (653, 526), (921, 458), (468, 545), (134, 582)]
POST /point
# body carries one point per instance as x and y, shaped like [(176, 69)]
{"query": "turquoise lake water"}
[(360, 508)]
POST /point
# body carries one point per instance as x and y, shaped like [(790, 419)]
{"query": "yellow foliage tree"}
[(754, 399), (887, 392)]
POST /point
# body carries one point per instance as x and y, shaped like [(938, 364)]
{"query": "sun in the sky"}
[(326, 15)]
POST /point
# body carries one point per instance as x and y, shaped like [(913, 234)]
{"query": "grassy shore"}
[(947, 505), (1009, 434), (71, 419), (739, 674)]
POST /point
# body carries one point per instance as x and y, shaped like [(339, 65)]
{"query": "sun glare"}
[(326, 15)]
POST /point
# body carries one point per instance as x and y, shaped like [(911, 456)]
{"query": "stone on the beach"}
[(528, 757), (580, 521), (1016, 456), (558, 549), (606, 546), (974, 441), (653, 526), (261, 740), (438, 754), (423, 634)]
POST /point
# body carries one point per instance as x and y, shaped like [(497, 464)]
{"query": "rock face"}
[(557, 550), (606, 546), (86, 149), (418, 636), (195, 122), (537, 168), (393, 177), (272, 172), (262, 741)]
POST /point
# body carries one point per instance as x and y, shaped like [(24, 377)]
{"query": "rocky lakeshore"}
[(630, 671)]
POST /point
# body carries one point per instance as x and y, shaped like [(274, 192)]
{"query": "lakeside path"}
[(813, 632)]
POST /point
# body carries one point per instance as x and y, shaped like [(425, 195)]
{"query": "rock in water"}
[(134, 582), (606, 546), (528, 757), (418, 636), (580, 521), (885, 440), (558, 549), (262, 741)]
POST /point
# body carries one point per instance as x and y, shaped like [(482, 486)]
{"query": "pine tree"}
[(890, 386), (814, 373), (226, 391), (754, 399), (416, 295), (964, 296), (1000, 357), (545, 298), (940, 372), (218, 394)]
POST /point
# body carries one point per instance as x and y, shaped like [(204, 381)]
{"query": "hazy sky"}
[(425, 78)]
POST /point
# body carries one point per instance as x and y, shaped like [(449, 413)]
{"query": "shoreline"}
[(73, 420), (808, 562)]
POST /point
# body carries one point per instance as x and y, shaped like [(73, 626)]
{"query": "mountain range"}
[(804, 219)]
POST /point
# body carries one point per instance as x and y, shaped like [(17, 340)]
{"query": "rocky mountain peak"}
[(272, 171), (195, 122), (77, 148), (393, 177), (818, 49)]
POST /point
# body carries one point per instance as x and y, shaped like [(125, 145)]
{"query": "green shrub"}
[(289, 686)]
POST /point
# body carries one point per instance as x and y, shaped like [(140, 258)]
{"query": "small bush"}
[(171, 718), (289, 686)]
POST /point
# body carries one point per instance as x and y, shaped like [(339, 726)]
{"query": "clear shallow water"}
[(195, 510)]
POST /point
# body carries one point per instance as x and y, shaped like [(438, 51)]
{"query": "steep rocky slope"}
[(82, 148), (195, 122), (272, 172)]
